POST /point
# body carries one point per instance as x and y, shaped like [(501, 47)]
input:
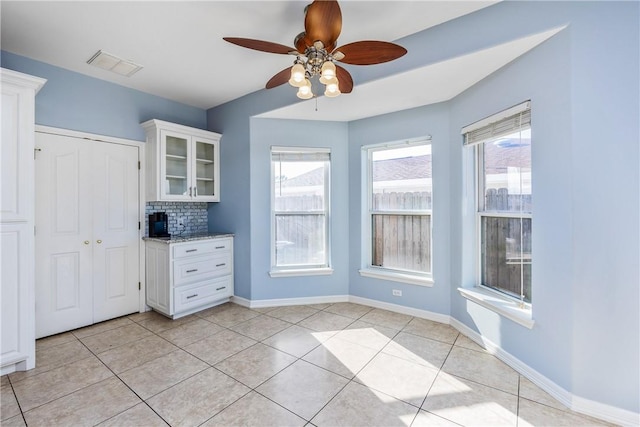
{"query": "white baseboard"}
[(584, 406), (331, 299), (416, 312), (557, 392), (605, 412)]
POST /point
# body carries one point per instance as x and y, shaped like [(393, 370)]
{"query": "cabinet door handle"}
[(220, 265), (192, 296), (219, 289), (195, 191), (98, 241), (192, 271), (190, 191), (191, 250), (86, 242), (220, 247)]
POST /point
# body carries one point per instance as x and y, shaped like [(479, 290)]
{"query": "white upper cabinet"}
[(183, 163)]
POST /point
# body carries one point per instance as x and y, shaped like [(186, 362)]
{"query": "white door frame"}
[(141, 190)]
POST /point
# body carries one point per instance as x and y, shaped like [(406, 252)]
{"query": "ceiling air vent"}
[(111, 62)]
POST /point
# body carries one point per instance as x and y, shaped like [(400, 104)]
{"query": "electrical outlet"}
[(397, 293), (182, 221)]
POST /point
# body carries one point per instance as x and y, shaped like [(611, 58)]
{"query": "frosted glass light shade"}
[(328, 72), (297, 76), (332, 90), (304, 91)]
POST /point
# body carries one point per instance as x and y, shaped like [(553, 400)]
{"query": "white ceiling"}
[(180, 44)]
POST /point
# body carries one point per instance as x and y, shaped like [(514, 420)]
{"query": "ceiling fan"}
[(316, 52)]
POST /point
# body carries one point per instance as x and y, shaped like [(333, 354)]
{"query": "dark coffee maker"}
[(158, 225)]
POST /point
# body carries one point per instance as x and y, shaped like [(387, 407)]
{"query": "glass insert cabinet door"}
[(205, 164), (176, 162)]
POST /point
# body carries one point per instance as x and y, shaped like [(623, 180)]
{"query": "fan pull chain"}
[(316, 102)]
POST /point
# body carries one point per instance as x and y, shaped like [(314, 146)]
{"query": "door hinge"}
[(35, 151), (139, 286), (138, 164), (139, 226), (34, 230)]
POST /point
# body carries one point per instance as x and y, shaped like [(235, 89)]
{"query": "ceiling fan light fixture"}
[(297, 75), (333, 89), (304, 91), (328, 72)]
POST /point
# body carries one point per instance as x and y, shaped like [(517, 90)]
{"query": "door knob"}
[(99, 241), (86, 242)]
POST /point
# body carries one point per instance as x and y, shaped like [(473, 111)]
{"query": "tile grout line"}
[(126, 385)]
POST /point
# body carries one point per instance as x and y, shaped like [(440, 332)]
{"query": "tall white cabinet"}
[(17, 297), (183, 163)]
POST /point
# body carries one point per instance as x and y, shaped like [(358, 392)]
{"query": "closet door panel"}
[(63, 235), (115, 218)]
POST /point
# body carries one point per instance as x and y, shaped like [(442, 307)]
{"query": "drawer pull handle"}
[(219, 289), (192, 296), (220, 265), (191, 250), (219, 247), (192, 271)]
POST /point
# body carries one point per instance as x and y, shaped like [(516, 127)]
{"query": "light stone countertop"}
[(177, 238)]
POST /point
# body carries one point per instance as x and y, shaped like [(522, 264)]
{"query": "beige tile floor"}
[(323, 365)]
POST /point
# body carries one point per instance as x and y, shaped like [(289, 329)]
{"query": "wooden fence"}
[(402, 241), (504, 264)]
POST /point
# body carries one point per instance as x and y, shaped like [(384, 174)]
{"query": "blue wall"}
[(71, 100), (583, 84), (431, 121), (264, 134)]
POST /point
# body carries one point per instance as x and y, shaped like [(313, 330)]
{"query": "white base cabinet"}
[(184, 277)]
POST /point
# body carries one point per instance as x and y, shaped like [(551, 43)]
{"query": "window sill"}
[(397, 277), (502, 305), (302, 272)]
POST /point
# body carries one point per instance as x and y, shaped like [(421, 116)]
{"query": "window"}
[(398, 211), (300, 209), (503, 162)]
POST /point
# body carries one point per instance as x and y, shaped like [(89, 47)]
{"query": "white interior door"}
[(115, 231), (64, 290), (86, 232)]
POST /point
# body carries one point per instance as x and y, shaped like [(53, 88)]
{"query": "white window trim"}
[(368, 270), (304, 269), (325, 271), (507, 306), (396, 276), (501, 304)]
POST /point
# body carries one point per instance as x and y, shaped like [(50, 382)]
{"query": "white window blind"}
[(504, 123), (299, 154)]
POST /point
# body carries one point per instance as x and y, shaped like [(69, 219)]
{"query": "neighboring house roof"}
[(501, 155), (383, 170), (507, 153)]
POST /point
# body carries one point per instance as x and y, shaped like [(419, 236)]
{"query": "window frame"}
[(301, 269), (480, 213), (511, 120), (367, 268)]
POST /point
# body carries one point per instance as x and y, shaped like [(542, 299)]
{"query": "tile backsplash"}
[(194, 212)]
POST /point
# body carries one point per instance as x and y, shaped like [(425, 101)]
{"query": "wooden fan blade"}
[(260, 45), (345, 82), (323, 21), (370, 52), (280, 78)]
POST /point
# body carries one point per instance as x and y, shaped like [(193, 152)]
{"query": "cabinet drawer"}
[(192, 296), (201, 248), (201, 268)]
